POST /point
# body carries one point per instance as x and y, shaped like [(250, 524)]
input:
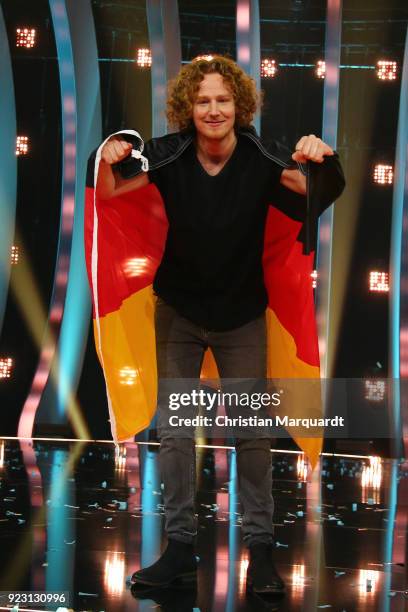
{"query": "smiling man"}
[(217, 180)]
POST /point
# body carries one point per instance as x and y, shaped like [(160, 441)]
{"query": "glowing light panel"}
[(368, 582), (374, 390), (120, 458), (268, 68), (243, 568), (379, 281), (371, 478), (135, 266), (302, 468), (321, 69), (14, 255), (386, 70), (298, 577), (114, 574), (25, 37), (22, 145), (6, 363), (144, 58), (383, 174), (207, 58), (127, 376)]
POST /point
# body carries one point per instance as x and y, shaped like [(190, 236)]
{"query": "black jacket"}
[(325, 181)]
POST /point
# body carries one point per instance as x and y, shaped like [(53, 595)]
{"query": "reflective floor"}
[(80, 518)]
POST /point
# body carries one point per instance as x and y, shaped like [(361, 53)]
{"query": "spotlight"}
[(22, 145), (207, 58), (383, 174), (298, 577), (120, 458), (25, 37), (371, 478), (314, 279), (14, 255), (302, 468), (144, 58), (114, 574), (268, 68), (321, 69), (379, 281), (386, 70), (368, 583), (243, 568), (127, 376), (374, 390), (135, 266), (6, 363)]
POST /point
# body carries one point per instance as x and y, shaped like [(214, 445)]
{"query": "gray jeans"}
[(239, 353)]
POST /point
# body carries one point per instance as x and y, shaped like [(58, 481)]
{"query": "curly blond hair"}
[(183, 90)]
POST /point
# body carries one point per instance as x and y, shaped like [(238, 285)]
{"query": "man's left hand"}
[(311, 148)]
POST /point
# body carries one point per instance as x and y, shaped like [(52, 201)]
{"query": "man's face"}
[(214, 108)]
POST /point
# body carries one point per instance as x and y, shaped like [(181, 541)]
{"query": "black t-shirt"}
[(211, 271)]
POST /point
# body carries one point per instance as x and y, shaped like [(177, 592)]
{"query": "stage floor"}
[(80, 518)]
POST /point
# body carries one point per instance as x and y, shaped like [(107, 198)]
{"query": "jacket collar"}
[(176, 143)]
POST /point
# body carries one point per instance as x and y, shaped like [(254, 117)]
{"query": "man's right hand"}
[(115, 150), (110, 183)]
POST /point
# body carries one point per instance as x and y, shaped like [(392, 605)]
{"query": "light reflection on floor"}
[(73, 517)]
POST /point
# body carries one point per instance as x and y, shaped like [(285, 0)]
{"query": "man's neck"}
[(216, 151)]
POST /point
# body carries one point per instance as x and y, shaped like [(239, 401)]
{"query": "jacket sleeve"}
[(326, 184), (128, 167), (158, 151)]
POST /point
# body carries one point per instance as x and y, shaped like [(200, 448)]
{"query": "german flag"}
[(124, 243)]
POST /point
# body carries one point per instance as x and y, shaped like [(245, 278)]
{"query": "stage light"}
[(371, 478), (321, 69), (243, 568), (25, 37), (120, 458), (22, 145), (298, 577), (367, 582), (135, 266), (6, 363), (301, 468), (14, 255), (144, 58), (1, 454), (386, 70), (268, 68), (379, 281), (207, 58), (314, 279), (127, 376), (383, 174), (374, 390), (114, 574)]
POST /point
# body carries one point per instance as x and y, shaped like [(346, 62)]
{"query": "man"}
[(216, 180)]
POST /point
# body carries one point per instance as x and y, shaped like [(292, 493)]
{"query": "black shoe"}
[(262, 576), (178, 564)]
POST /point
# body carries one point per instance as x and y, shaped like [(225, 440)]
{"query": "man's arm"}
[(110, 183), (308, 148)]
